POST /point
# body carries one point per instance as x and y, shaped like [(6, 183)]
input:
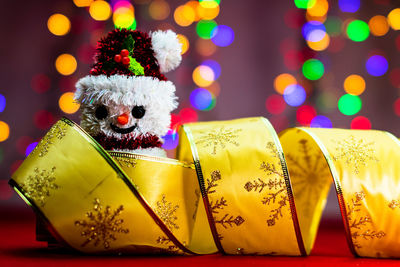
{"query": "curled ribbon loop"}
[(236, 188)]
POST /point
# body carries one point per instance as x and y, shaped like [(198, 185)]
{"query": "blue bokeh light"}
[(294, 95), (321, 122), (201, 98), (30, 148), (171, 140), (377, 65), (2, 103), (222, 35), (350, 6), (312, 26), (214, 65)]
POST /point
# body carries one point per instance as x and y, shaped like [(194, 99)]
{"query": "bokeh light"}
[(349, 6), (305, 114), (349, 104), (200, 98), (204, 28), (205, 47), (378, 25), (214, 65), (377, 65), (214, 88), (66, 64), (319, 9), (394, 19), (4, 131), (40, 83), (184, 42), (396, 107), (275, 104), (100, 10), (321, 121), (208, 10), (171, 140), (30, 148), (222, 35), (184, 15), (282, 81), (360, 123), (2, 103), (294, 95), (43, 119), (312, 26), (124, 16), (357, 30), (188, 115), (333, 26), (354, 84), (159, 9), (67, 103), (304, 4), (321, 44), (58, 24), (203, 76), (313, 69), (82, 3)]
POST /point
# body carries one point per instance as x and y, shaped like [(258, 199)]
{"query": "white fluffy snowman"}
[(126, 101)]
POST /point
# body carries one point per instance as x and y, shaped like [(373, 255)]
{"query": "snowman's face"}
[(125, 107)]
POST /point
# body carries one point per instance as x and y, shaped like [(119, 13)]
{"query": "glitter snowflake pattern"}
[(167, 213), (57, 131), (309, 172), (39, 186), (218, 138), (275, 184), (359, 224), (102, 225), (126, 162), (171, 247), (218, 205), (355, 152)]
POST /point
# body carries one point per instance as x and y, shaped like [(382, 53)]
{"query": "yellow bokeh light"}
[(203, 76), (185, 43), (378, 25), (4, 131), (394, 19), (320, 45), (319, 9), (67, 103), (184, 15), (208, 10), (194, 5), (321, 19), (205, 47), (282, 81), (82, 3), (100, 10), (159, 10), (58, 24), (354, 84), (66, 64), (123, 17)]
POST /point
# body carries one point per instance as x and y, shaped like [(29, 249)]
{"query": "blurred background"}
[(315, 63)]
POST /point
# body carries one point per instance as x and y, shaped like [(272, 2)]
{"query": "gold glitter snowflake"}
[(39, 185), (166, 211), (359, 224), (57, 131), (309, 173), (101, 225), (219, 138), (126, 162), (355, 152), (171, 247)]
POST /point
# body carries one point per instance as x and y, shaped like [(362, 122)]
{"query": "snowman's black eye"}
[(138, 112), (101, 112)]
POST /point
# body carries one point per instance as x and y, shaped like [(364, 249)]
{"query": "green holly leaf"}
[(135, 67), (129, 44)]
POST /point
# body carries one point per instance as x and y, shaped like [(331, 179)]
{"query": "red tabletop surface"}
[(18, 247)]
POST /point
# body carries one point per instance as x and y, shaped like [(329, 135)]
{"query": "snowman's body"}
[(124, 111)]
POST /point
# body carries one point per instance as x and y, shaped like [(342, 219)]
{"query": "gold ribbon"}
[(237, 197)]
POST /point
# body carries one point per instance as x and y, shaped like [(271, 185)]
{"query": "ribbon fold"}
[(235, 188)]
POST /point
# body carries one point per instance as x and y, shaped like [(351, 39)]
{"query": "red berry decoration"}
[(125, 60), (117, 58), (124, 52)]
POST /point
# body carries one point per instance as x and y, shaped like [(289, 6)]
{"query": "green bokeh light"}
[(216, 1), (349, 104), (212, 104), (333, 26), (313, 69), (357, 30), (204, 28), (304, 3)]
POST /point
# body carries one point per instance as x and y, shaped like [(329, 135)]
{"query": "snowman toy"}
[(126, 100)]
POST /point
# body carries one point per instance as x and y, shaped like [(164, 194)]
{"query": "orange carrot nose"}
[(123, 119)]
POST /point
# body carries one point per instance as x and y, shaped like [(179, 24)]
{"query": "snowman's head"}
[(127, 105)]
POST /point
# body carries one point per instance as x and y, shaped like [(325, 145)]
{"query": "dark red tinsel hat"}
[(126, 52)]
